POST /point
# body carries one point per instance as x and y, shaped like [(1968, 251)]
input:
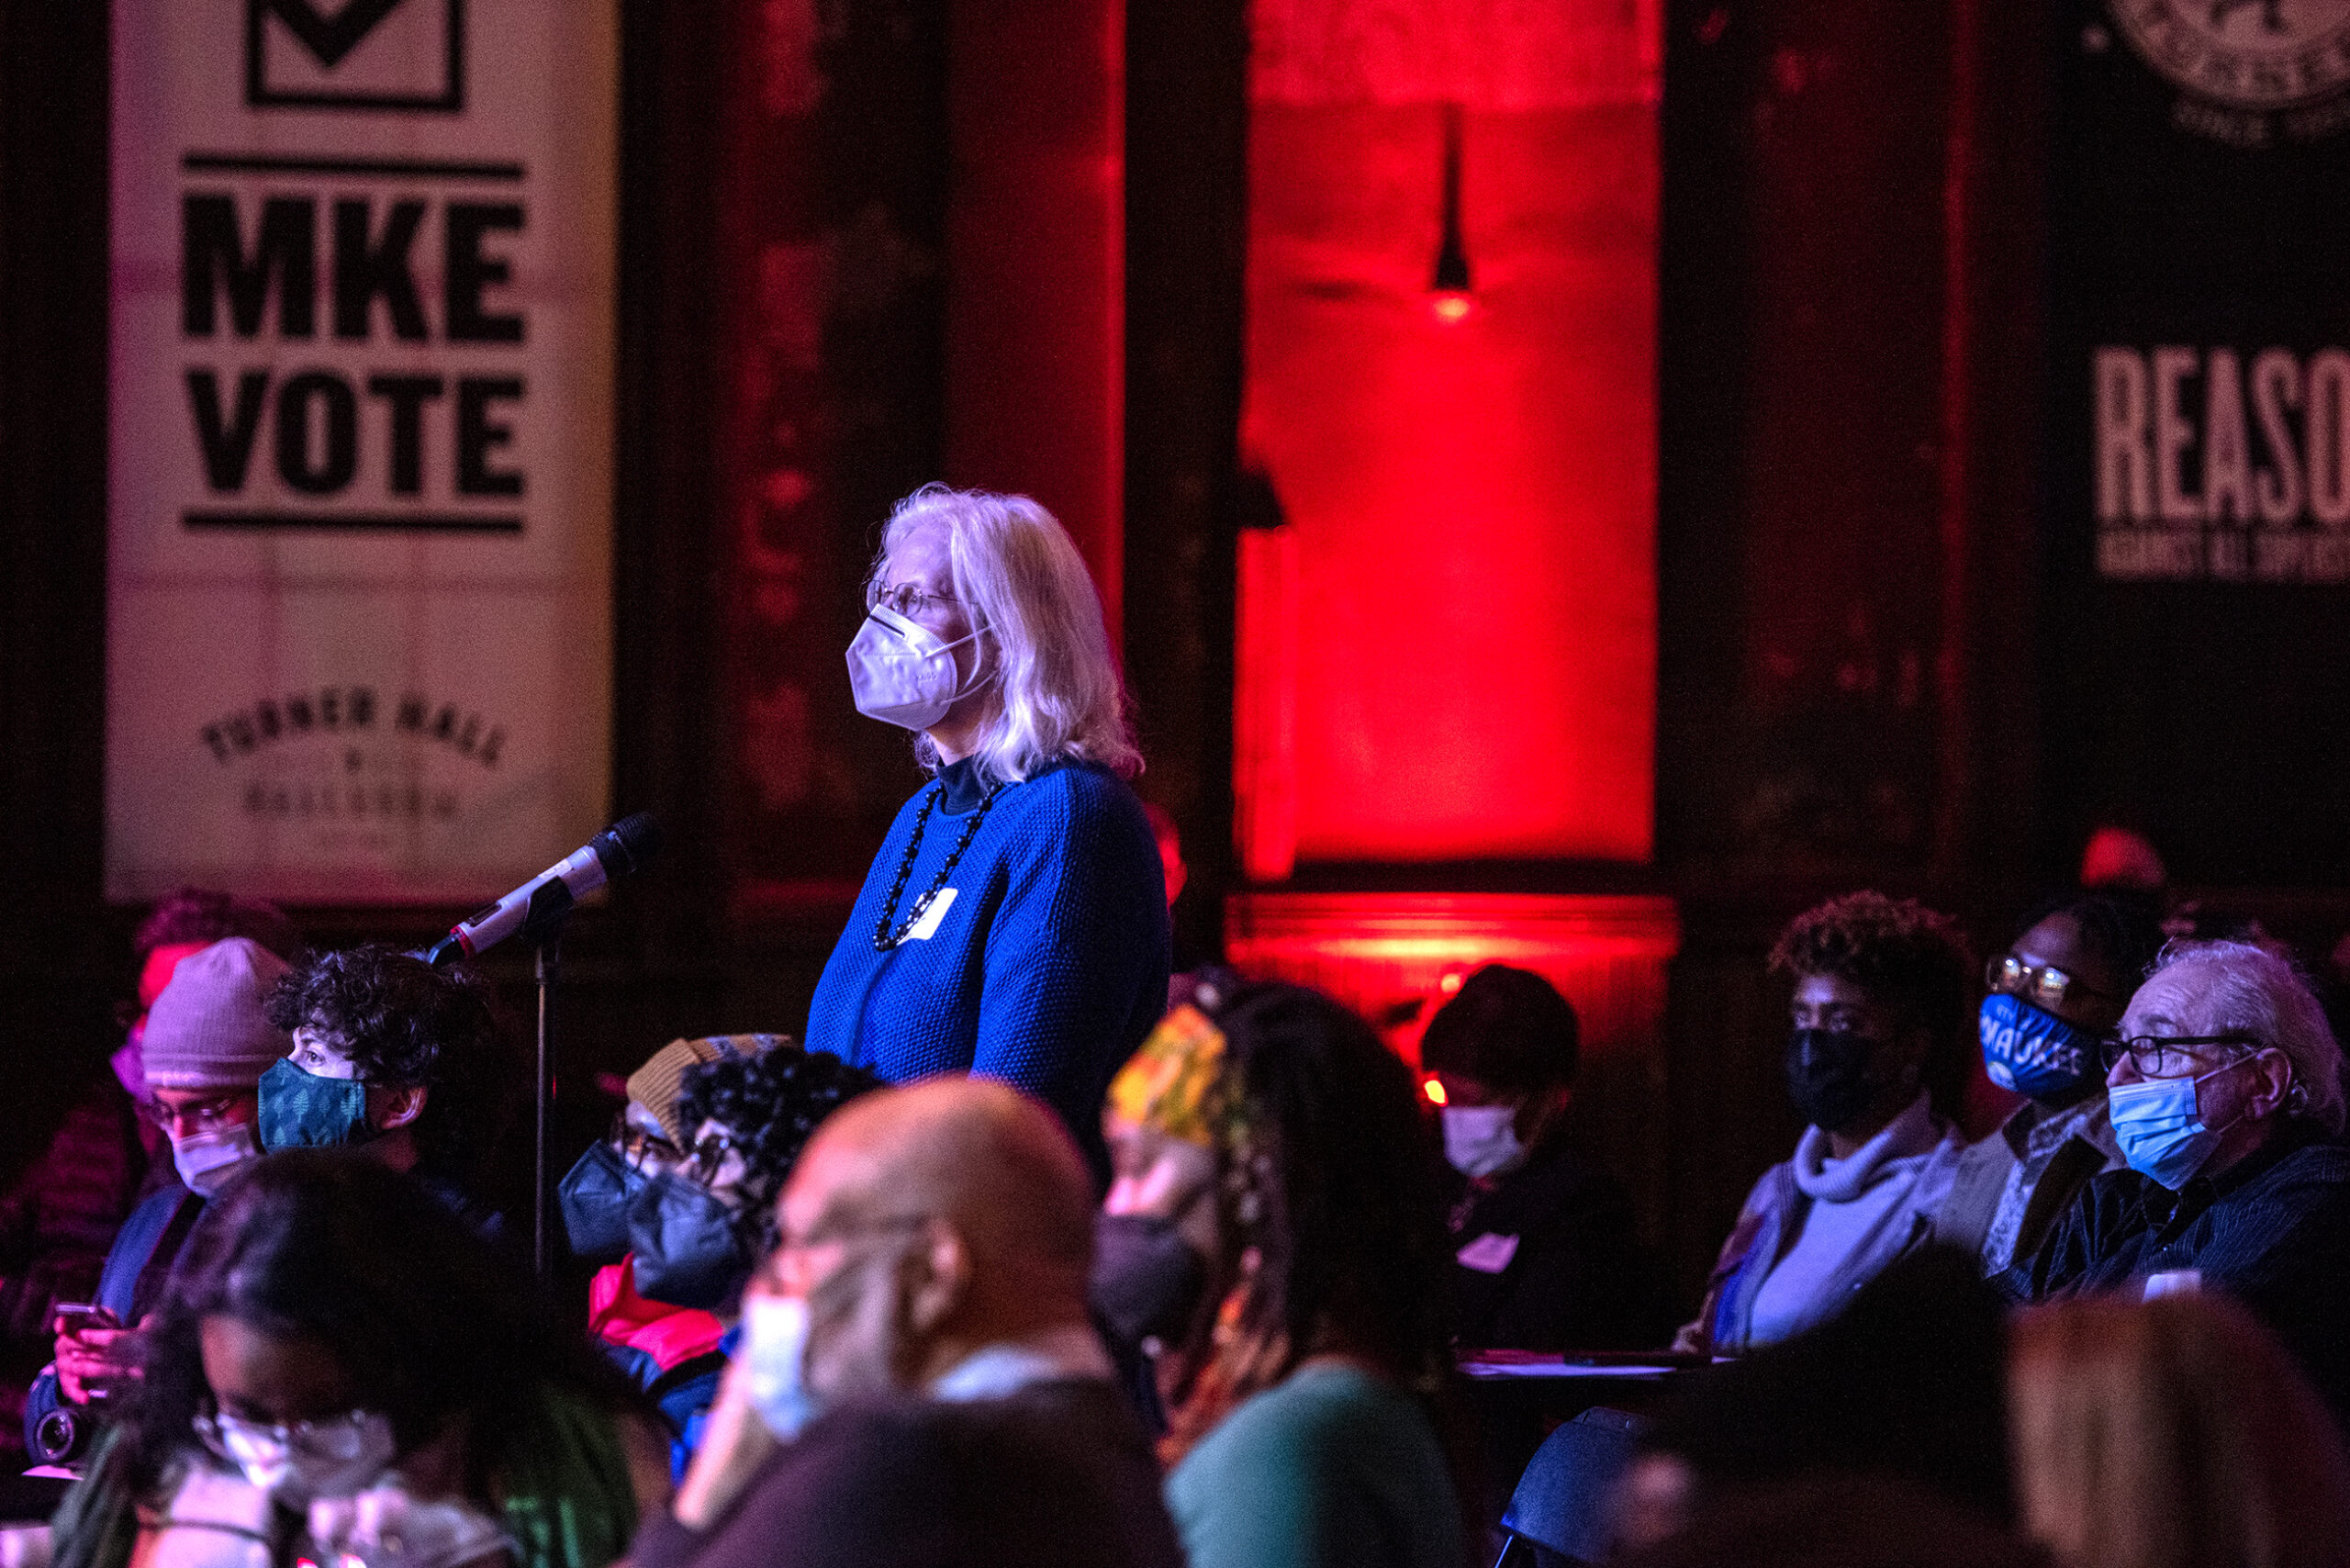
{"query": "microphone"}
[(546, 898)]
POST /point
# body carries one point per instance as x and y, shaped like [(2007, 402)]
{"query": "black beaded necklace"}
[(884, 939)]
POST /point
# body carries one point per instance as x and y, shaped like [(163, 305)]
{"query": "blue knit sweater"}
[(1048, 967)]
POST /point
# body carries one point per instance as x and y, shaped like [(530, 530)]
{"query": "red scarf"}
[(668, 1334)]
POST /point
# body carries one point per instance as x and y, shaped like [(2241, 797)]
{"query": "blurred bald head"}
[(962, 1158)]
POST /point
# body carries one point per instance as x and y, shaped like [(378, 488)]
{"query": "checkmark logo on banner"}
[(330, 39), (395, 56)]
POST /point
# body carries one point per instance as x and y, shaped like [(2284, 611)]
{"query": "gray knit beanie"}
[(207, 1030)]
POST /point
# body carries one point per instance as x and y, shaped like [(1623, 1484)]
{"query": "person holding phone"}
[(208, 1042)]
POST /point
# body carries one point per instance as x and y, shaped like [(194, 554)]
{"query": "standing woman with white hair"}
[(1015, 922)]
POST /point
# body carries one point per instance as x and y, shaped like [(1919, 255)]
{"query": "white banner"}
[(360, 488)]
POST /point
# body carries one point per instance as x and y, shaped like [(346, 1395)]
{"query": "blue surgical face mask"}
[(302, 1110), (2035, 1053), (775, 1351), (2160, 1128)]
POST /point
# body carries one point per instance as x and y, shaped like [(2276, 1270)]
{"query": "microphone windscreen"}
[(628, 844)]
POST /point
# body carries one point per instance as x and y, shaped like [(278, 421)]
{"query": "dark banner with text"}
[(2200, 451), (360, 487)]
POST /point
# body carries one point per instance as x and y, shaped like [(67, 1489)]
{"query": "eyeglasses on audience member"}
[(2172, 1056), (906, 599), (2043, 985), (203, 1115), (643, 1147)]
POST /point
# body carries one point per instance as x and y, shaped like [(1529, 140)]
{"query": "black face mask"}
[(1828, 1075), (594, 1197), (687, 1251), (1147, 1280)]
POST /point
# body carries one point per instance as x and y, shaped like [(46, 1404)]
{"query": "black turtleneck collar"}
[(960, 787)]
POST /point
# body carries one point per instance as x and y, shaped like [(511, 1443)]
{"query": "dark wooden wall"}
[(59, 948)]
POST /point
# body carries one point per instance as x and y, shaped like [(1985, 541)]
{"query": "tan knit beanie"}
[(206, 1029), (654, 1085)]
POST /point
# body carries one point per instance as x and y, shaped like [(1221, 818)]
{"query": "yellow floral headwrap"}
[(1175, 1082)]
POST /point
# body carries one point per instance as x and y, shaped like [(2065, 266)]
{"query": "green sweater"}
[(1333, 1468)]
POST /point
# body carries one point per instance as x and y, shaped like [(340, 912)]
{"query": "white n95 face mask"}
[(899, 672), (775, 1354), (207, 1159), (1482, 1141)]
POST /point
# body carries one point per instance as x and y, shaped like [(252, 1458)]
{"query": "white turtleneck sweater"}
[(1850, 1199)]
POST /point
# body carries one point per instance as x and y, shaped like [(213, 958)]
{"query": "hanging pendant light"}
[(1449, 298)]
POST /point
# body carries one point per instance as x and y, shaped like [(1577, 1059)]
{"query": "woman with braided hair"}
[(1314, 1421)]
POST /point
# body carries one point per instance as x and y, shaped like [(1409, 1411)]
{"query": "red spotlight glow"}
[(1451, 307), (1433, 1089)]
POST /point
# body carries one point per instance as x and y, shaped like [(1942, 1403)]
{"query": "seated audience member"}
[(2171, 1433), (208, 1041), (340, 1366), (1879, 1013), (687, 1208), (186, 921), (918, 1382), (100, 1160), (1545, 1254), (396, 1057), (2055, 993), (1307, 1434), (1165, 1121), (2226, 1093), (1905, 1386)]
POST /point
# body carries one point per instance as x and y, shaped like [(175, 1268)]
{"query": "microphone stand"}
[(549, 911)]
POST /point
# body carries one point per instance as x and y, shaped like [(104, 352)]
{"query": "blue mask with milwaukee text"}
[(2035, 1053), (302, 1110), (2160, 1127)]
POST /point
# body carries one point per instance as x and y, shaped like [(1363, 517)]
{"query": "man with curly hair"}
[(398, 1058), (1877, 1052)]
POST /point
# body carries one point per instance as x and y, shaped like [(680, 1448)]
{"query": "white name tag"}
[(1489, 1254), (932, 913)]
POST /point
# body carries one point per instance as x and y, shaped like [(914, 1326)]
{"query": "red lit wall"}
[(1464, 658)]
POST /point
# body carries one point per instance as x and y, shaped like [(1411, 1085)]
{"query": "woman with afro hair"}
[(1877, 1058)]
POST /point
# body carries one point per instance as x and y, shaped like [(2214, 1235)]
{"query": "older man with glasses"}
[(2226, 1097)]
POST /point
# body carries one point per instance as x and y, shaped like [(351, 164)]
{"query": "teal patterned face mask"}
[(302, 1110)]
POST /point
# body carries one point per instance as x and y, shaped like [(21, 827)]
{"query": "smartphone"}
[(74, 1317)]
